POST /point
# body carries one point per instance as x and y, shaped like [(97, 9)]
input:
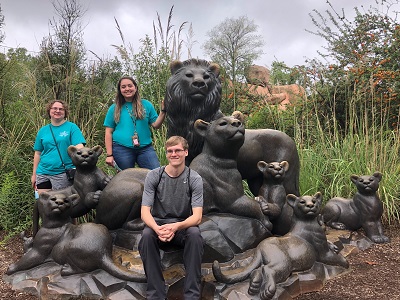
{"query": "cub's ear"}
[(44, 195), (318, 197), (378, 175), (285, 165), (74, 198), (98, 150), (201, 127), (175, 66), (262, 165), (291, 199), (238, 115), (72, 150), (354, 178)]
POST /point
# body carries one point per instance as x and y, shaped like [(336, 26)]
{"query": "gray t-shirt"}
[(171, 198)]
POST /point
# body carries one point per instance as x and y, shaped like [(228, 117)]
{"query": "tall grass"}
[(330, 156), (159, 138)]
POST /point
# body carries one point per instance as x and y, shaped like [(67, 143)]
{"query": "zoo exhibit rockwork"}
[(99, 260)]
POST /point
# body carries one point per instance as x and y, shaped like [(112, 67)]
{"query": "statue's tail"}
[(114, 270), (239, 274)]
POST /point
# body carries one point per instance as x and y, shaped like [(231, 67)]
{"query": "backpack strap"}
[(188, 181), (160, 173)]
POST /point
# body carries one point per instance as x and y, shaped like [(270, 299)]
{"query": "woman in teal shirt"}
[(48, 170), (127, 134)]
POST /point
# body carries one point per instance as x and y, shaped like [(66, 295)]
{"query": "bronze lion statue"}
[(194, 92)]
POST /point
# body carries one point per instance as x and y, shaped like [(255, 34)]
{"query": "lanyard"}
[(130, 112), (135, 137)]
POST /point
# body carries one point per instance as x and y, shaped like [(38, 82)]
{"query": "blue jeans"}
[(126, 157)]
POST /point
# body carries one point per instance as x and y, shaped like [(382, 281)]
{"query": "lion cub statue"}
[(275, 258), (216, 164), (78, 248), (89, 181), (363, 211), (273, 195)]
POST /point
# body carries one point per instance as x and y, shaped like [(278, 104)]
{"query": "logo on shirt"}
[(64, 133)]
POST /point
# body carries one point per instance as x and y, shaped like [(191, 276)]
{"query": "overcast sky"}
[(282, 23)]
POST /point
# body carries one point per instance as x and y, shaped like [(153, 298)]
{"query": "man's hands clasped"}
[(166, 232)]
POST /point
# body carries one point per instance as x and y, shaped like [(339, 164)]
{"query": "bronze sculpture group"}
[(224, 153)]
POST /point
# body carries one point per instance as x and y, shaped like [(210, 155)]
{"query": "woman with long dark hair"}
[(127, 135)]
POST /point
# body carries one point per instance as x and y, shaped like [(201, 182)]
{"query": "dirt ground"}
[(375, 273)]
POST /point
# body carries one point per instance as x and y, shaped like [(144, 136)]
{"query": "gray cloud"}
[(281, 23)]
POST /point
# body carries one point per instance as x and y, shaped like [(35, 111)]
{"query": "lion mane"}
[(193, 92)]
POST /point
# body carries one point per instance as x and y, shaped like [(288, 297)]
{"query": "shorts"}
[(53, 182)]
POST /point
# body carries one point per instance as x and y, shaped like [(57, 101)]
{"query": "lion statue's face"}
[(193, 92), (195, 80)]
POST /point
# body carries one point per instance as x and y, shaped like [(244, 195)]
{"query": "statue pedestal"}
[(46, 281)]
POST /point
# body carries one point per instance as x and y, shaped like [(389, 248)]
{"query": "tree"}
[(234, 45), (2, 36), (62, 53), (363, 68), (281, 74)]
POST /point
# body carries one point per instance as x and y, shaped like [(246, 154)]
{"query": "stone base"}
[(46, 282)]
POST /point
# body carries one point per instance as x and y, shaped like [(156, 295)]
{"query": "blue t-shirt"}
[(66, 134), (125, 128)]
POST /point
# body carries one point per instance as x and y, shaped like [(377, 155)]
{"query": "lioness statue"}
[(194, 92), (120, 201), (275, 258), (78, 248), (216, 164), (363, 211)]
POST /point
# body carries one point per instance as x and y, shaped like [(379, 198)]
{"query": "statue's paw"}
[(333, 247), (134, 225), (28, 243), (256, 280), (96, 197), (260, 199), (11, 269), (265, 208), (67, 270), (267, 223), (337, 225), (380, 239), (267, 294), (107, 179), (92, 199)]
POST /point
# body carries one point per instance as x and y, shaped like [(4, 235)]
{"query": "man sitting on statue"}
[(172, 208)]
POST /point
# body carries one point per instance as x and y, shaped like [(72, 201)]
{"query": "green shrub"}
[(16, 204)]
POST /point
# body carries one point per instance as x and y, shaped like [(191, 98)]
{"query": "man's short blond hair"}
[(175, 140)]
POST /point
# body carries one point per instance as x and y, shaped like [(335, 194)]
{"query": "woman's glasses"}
[(57, 108)]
